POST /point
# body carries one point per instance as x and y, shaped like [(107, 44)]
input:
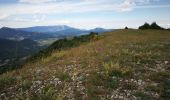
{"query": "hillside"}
[(13, 53), (11, 48), (14, 34), (123, 65)]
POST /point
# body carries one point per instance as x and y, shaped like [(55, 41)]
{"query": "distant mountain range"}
[(48, 29), (14, 34), (16, 43), (44, 32), (62, 30), (100, 30)]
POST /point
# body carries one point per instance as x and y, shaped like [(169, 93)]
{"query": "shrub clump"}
[(63, 76), (154, 25), (126, 28), (116, 70), (6, 81)]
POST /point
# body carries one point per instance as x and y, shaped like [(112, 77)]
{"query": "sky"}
[(85, 14)]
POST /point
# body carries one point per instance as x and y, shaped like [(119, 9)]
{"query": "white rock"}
[(56, 79), (166, 62)]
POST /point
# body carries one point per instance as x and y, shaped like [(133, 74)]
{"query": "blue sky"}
[(84, 13)]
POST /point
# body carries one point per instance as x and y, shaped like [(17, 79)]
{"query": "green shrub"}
[(112, 83), (96, 79), (26, 84), (47, 93), (152, 26), (126, 28), (63, 76), (114, 69), (166, 89), (164, 79), (6, 81), (160, 76), (155, 26), (145, 26), (92, 91)]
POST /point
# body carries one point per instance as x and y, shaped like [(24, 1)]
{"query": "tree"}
[(152, 26), (155, 26), (126, 28), (145, 26)]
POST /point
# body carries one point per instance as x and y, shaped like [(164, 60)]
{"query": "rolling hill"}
[(16, 45), (100, 30), (9, 48), (13, 41), (122, 65), (14, 34), (13, 53)]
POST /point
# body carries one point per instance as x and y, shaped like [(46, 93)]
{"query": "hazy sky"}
[(84, 13)]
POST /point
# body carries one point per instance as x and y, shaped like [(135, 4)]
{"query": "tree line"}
[(154, 25)]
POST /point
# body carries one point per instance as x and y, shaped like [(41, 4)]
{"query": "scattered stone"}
[(166, 62)]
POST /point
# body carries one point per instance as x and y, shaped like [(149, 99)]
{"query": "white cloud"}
[(18, 19), (36, 1), (39, 18), (129, 5), (165, 25), (34, 18), (71, 7), (39, 9), (153, 6), (3, 16)]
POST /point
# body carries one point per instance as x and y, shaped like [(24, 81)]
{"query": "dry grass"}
[(113, 62)]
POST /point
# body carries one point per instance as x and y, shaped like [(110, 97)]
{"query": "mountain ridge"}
[(62, 29), (13, 52), (11, 33)]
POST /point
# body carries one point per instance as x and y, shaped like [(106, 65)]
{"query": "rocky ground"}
[(119, 66)]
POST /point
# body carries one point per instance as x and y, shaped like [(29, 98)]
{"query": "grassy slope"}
[(128, 64)]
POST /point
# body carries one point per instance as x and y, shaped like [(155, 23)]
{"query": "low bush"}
[(114, 69), (6, 81)]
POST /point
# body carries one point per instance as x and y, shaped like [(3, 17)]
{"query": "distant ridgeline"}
[(13, 53), (64, 44), (61, 44), (152, 26)]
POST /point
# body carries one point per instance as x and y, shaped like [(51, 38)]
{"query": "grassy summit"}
[(124, 64)]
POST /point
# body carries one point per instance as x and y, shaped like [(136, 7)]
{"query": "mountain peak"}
[(44, 29), (5, 28)]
